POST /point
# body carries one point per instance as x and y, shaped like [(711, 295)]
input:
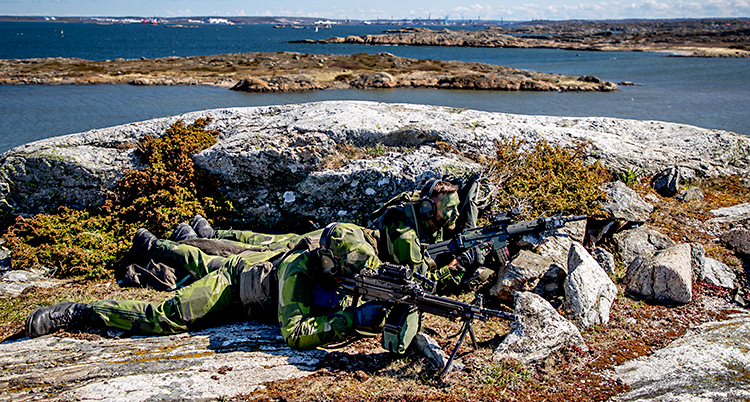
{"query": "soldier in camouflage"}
[(423, 218), (297, 285)]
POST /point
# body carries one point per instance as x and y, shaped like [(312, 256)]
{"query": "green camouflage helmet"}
[(347, 244)]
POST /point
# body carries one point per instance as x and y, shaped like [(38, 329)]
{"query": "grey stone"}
[(624, 204), (554, 244), (640, 242), (717, 273), (698, 259), (589, 292), (738, 240), (521, 274), (432, 351), (216, 363), (537, 331), (691, 194), (736, 213), (667, 276), (707, 364), (263, 152), (605, 259), (20, 276), (667, 182)]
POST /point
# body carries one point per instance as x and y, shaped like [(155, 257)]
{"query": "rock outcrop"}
[(277, 162), (589, 292), (707, 364), (703, 38), (667, 276), (538, 331), (212, 364)]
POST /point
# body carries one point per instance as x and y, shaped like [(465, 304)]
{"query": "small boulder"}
[(434, 353), (555, 244), (667, 276), (717, 273), (640, 242), (624, 204), (737, 240), (521, 274), (667, 182), (605, 259), (589, 292), (537, 331), (691, 194), (736, 213)]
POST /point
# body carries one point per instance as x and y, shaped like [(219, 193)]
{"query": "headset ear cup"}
[(427, 208)]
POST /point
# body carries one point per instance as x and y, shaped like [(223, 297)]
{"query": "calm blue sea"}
[(711, 93)]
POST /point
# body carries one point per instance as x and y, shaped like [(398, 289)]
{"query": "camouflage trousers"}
[(249, 238), (214, 291)]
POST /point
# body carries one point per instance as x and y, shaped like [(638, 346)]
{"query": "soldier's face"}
[(447, 210)]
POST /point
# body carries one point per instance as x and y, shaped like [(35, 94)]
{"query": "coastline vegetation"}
[(84, 245)]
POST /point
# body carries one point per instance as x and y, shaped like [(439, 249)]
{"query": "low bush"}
[(87, 243), (545, 179)]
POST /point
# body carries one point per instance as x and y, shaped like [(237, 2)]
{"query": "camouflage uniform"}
[(215, 290), (311, 312), (400, 238), (248, 238)]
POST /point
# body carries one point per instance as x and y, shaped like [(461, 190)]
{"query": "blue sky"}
[(454, 9)]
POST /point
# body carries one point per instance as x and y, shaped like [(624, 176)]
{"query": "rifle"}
[(394, 284), (496, 234)]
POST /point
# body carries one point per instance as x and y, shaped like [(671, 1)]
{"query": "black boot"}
[(183, 231), (202, 228), (140, 252), (68, 315), (143, 242)]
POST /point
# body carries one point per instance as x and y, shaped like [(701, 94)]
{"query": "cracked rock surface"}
[(204, 365)]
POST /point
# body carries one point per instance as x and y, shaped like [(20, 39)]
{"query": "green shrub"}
[(86, 243), (548, 179)]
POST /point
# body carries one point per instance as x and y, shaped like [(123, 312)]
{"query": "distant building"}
[(220, 21)]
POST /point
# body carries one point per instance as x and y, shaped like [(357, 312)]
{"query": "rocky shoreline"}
[(276, 163), (291, 72), (691, 38)]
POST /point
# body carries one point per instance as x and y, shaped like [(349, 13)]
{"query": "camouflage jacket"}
[(311, 312), (400, 236)]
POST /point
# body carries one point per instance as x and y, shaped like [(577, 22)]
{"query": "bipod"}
[(467, 327)]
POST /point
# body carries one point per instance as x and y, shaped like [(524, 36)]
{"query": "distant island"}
[(707, 37), (291, 72), (694, 38)]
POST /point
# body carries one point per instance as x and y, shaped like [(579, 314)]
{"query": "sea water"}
[(710, 93)]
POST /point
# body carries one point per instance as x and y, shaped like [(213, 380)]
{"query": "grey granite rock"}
[(734, 213), (589, 292), (717, 273), (523, 273), (667, 276), (624, 204), (212, 364), (667, 182), (707, 364), (537, 331), (265, 152), (605, 259), (640, 242)]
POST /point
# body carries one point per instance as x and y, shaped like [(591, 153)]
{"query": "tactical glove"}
[(370, 317), (471, 259)]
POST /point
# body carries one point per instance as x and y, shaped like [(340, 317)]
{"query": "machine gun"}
[(394, 284), (495, 234)]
